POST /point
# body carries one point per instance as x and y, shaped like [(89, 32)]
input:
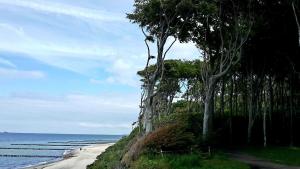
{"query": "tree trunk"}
[(230, 110), (148, 108), (188, 96), (264, 126), (264, 117), (271, 101), (208, 109), (222, 98), (170, 101), (235, 96), (250, 110), (291, 111)]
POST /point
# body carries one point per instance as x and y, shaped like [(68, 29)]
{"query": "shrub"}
[(189, 122), (172, 137)]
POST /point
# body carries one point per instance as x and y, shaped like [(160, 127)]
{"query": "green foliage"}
[(159, 16), (111, 158), (192, 121), (169, 86), (186, 161), (178, 69), (282, 155), (188, 107)]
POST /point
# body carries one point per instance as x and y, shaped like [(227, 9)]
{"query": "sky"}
[(69, 66)]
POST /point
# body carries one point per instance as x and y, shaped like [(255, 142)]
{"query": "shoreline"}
[(77, 159)]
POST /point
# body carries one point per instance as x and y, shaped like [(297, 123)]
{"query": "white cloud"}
[(6, 62), (124, 72), (14, 73), (114, 48), (104, 112), (78, 57), (72, 103), (63, 9), (96, 81), (187, 51)]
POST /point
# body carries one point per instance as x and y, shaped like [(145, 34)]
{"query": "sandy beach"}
[(79, 160)]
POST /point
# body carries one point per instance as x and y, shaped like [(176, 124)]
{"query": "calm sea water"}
[(23, 150)]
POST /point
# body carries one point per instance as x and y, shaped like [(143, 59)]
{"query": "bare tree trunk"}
[(188, 96), (170, 101), (235, 96), (230, 109), (271, 101), (222, 97), (245, 96), (250, 110), (264, 126), (208, 108), (264, 117), (291, 111), (148, 108)]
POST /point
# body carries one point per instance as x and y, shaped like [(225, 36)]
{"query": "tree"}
[(157, 18), (252, 63), (220, 35)]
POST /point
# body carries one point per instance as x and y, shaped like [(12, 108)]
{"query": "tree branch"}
[(297, 21)]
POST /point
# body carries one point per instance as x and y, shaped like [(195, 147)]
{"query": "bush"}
[(172, 137), (190, 123)]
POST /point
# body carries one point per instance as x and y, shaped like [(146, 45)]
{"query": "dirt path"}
[(257, 163)]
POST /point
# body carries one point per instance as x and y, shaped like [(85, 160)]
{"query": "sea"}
[(20, 150)]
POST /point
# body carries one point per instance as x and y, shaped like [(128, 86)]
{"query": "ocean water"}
[(23, 150)]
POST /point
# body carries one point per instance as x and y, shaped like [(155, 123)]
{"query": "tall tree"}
[(159, 20), (228, 24)]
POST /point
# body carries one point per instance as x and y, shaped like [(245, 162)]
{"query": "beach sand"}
[(79, 160)]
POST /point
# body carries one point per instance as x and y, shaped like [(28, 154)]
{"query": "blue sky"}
[(69, 66)]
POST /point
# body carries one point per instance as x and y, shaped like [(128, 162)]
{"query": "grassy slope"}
[(110, 159), (282, 155), (187, 161)]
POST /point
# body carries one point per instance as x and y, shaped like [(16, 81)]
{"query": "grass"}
[(111, 158), (281, 155), (187, 161)]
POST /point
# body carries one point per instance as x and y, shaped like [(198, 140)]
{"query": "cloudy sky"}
[(69, 66)]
